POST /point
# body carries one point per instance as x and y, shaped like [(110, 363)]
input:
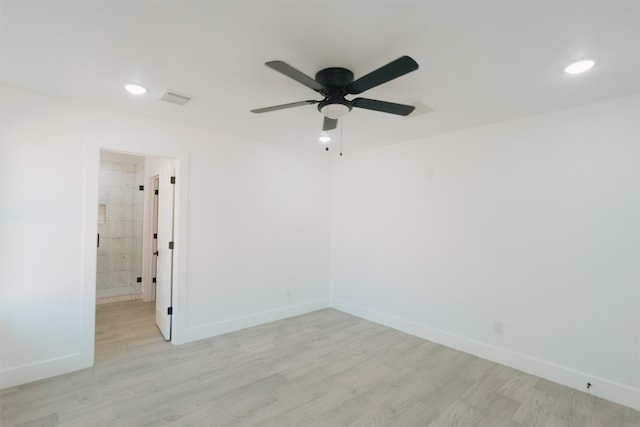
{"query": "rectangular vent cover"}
[(175, 97)]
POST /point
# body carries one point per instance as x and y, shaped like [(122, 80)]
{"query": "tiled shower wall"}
[(120, 226)]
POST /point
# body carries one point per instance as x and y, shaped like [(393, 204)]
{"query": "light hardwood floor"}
[(325, 368)]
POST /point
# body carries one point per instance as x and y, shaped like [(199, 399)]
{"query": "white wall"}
[(255, 223), (533, 222)]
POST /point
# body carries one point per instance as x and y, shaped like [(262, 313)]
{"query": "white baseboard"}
[(50, 368), (601, 387), (40, 370), (237, 323)]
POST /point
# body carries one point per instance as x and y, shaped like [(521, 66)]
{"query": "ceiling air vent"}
[(175, 97), (421, 107)]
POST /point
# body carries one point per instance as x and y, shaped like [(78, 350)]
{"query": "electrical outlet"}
[(497, 327)]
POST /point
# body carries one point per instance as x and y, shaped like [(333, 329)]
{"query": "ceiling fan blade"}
[(296, 75), (392, 70), (329, 124), (383, 106), (283, 106)]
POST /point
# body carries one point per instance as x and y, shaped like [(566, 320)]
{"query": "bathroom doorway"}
[(120, 226), (134, 265)]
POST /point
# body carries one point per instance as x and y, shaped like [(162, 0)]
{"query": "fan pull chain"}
[(341, 120)]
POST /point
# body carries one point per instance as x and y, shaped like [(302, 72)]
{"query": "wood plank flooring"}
[(324, 368), (124, 325)]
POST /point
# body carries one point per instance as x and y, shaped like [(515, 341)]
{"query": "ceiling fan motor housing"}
[(335, 80), (334, 77)]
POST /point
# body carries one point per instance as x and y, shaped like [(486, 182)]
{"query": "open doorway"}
[(134, 265), (120, 226)]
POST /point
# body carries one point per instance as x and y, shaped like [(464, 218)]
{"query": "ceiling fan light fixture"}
[(334, 111), (324, 137), (579, 67)]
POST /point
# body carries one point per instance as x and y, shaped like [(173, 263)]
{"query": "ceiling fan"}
[(335, 83)]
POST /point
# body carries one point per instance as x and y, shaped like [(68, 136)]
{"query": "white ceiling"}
[(480, 62)]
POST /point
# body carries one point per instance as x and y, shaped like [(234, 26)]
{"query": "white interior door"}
[(164, 278)]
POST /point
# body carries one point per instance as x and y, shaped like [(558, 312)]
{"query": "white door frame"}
[(88, 260), (149, 246)]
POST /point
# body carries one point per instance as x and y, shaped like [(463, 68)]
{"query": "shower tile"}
[(137, 267), (107, 230), (127, 167), (105, 263), (124, 213), (138, 210), (123, 278), (125, 196), (123, 245), (101, 264), (119, 278), (107, 194), (109, 178), (119, 255), (106, 245), (102, 279), (110, 280), (124, 229), (123, 263), (108, 165), (103, 246), (112, 212), (138, 230), (126, 180), (102, 214)]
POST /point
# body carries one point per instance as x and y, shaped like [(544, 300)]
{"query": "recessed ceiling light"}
[(135, 89), (579, 67)]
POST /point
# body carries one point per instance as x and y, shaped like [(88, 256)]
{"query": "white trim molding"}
[(40, 370), (603, 388), (237, 323)]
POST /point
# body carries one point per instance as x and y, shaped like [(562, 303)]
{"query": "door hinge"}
[(153, 280), (155, 235), (141, 188), (170, 245), (173, 179), (170, 310), (156, 192)]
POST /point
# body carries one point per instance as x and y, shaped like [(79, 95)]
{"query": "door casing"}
[(86, 349)]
